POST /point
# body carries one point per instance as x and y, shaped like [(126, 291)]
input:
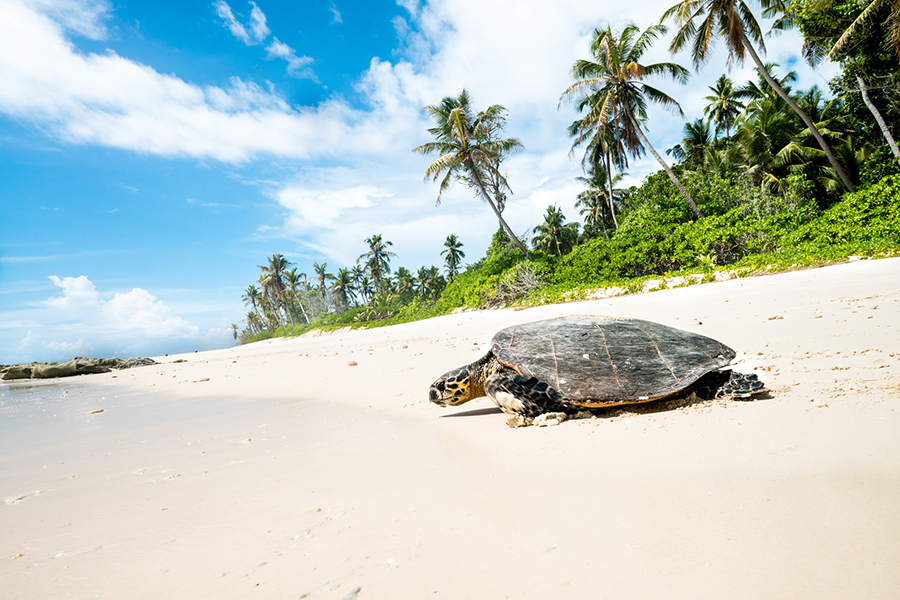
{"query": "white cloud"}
[(136, 312), (254, 32), (258, 28), (518, 55), (87, 321), (236, 29), (336, 15), (297, 65), (84, 17)]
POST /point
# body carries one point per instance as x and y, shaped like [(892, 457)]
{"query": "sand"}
[(278, 470)]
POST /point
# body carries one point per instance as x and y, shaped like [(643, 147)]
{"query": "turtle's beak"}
[(436, 394)]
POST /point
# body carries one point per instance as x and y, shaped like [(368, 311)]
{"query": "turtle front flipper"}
[(527, 397)]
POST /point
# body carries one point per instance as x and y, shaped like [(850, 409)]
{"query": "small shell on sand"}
[(352, 363)]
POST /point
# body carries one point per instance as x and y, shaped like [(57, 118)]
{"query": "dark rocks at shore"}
[(77, 366)]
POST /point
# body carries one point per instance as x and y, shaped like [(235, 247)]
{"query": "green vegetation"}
[(771, 179)]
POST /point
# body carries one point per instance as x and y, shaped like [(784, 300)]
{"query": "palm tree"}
[(322, 277), (253, 323), (365, 287), (554, 235), (404, 282), (892, 35), (596, 201), (342, 287), (695, 146), (252, 297), (234, 331), (700, 21), (724, 106), (604, 141), (615, 75), (454, 254), (428, 282), (273, 282), (377, 259), (296, 282), (467, 150)]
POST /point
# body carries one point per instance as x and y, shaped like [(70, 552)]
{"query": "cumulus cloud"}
[(136, 312), (83, 320)]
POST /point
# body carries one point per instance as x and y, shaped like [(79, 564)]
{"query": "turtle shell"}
[(596, 361)]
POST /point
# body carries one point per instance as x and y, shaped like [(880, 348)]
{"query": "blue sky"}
[(153, 153)]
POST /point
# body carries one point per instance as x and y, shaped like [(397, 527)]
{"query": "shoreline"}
[(277, 469)]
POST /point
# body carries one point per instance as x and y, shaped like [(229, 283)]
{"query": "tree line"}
[(762, 149)]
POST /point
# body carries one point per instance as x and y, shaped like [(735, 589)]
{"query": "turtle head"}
[(454, 387), (463, 384)]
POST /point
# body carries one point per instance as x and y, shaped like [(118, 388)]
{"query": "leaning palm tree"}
[(554, 235), (724, 105), (467, 151), (616, 76), (453, 254), (892, 33), (701, 21)]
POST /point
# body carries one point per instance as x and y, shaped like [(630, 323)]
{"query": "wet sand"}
[(277, 470)]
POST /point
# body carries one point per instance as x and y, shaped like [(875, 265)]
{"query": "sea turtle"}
[(582, 362)]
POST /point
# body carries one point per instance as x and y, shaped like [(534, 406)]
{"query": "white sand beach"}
[(277, 470)]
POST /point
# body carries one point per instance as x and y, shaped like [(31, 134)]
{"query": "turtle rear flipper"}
[(526, 396), (740, 385)]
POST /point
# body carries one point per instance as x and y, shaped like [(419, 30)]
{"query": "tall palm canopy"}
[(700, 22), (377, 259), (468, 151), (723, 105), (614, 78), (554, 235), (453, 254)]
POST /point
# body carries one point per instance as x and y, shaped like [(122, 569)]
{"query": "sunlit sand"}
[(278, 470)]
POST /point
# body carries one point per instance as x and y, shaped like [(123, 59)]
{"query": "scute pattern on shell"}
[(598, 361)]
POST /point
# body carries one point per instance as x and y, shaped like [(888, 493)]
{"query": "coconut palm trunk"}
[(803, 116), (665, 166), (864, 90), (470, 165), (609, 196)]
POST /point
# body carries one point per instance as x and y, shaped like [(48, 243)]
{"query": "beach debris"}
[(94, 412), (352, 594), (201, 380), (569, 364), (352, 363), (79, 365), (19, 498), (775, 318)]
